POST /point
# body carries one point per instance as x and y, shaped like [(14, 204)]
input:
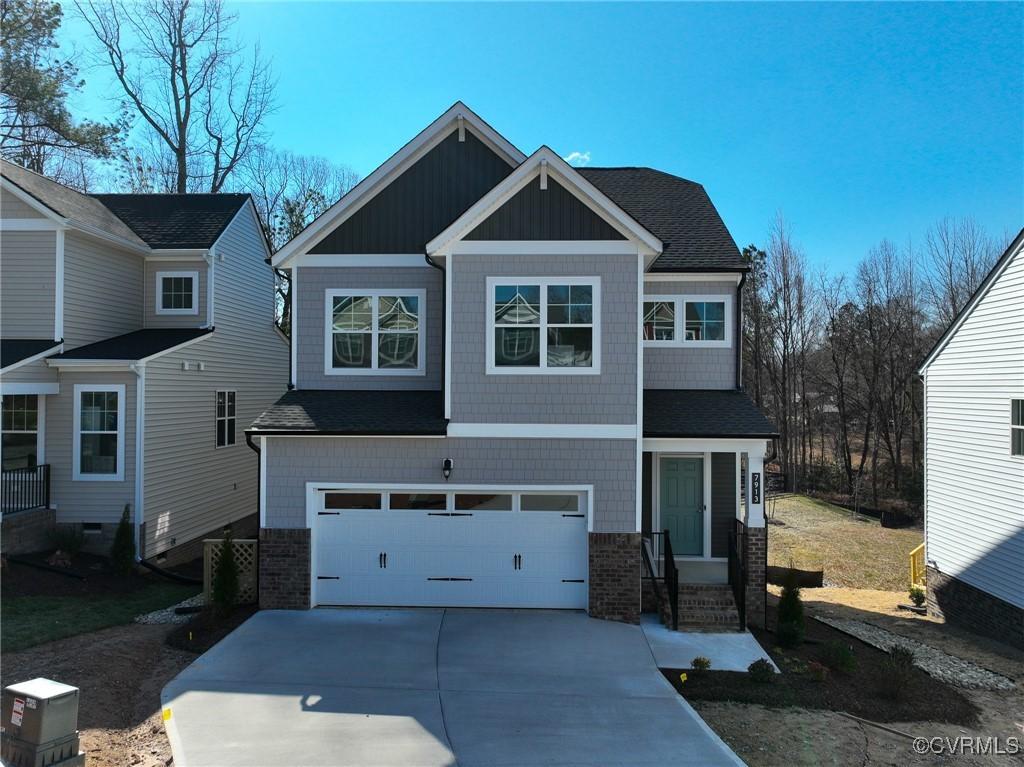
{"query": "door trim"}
[(705, 459)]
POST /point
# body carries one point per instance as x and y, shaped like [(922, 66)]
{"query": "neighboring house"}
[(504, 371), (974, 458), (138, 342)]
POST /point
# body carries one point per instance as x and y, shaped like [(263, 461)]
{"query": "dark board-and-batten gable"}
[(418, 204), (554, 213)]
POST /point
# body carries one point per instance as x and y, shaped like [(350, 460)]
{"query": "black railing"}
[(647, 552), (738, 569), (671, 579), (24, 489)]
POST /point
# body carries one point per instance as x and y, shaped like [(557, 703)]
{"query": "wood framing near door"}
[(656, 500)]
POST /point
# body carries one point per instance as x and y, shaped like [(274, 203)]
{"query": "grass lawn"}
[(854, 553), (32, 620)]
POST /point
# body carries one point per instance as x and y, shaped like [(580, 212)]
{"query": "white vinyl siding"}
[(974, 525), (12, 207), (102, 290), (28, 284)]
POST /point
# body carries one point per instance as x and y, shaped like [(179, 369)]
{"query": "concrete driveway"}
[(432, 687)]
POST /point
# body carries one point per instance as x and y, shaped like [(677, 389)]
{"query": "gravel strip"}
[(167, 615), (946, 668)]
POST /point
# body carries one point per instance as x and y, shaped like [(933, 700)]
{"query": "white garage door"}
[(458, 548)]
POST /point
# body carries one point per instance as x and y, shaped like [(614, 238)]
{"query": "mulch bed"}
[(95, 577), (206, 629), (858, 692)]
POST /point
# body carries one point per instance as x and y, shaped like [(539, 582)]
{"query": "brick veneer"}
[(284, 568), (757, 562), (24, 532), (615, 576), (960, 603)]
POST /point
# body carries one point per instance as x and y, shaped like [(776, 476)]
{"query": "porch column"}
[(757, 540)]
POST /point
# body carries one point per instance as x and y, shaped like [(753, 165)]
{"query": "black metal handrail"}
[(738, 570), (648, 556), (671, 579), (24, 489)]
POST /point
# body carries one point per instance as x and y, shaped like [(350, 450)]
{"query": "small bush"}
[(225, 580), (761, 671), (899, 667), (817, 671), (789, 634), (700, 663), (67, 538), (791, 608), (839, 656), (122, 552), (918, 595)]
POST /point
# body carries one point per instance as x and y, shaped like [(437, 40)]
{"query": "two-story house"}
[(504, 373), (138, 342)]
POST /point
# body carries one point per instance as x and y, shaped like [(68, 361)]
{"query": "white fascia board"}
[(103, 364), (544, 247), (29, 388), (754, 447), (568, 177), (542, 431), (271, 433), (177, 254), (361, 260), (733, 277), (55, 349), (29, 225), (393, 167)]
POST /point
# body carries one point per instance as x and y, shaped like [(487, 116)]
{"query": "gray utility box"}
[(39, 725)]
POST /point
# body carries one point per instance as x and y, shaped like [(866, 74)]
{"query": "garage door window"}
[(482, 502), (562, 503), (352, 501), (405, 501)]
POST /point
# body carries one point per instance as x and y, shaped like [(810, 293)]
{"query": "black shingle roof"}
[(14, 350), (136, 345), (175, 220), (676, 211), (703, 413), (356, 412)]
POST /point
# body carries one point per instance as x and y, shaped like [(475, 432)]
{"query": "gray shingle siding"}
[(608, 398), (313, 283), (682, 368), (608, 465)]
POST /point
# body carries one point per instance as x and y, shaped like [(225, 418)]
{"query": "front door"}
[(681, 501)]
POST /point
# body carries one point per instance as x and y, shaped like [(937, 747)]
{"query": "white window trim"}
[(676, 302), (375, 294), (217, 419), (680, 327), (76, 446), (543, 283), (159, 295), (40, 430), (1013, 429)]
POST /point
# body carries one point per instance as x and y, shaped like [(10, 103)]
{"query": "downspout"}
[(139, 369), (444, 317), (739, 331), (259, 462)]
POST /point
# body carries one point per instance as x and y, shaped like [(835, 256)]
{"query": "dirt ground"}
[(766, 737), (120, 672)]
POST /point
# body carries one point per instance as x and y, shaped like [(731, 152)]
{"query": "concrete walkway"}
[(727, 651), (433, 687)]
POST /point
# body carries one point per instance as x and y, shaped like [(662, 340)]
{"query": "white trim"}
[(40, 428), (1013, 428), (29, 225), (752, 446), (77, 433), (390, 260), (140, 456), (320, 435), (263, 481), (676, 320), (29, 388), (680, 341), (733, 277), (542, 430), (544, 247), (210, 259), (57, 348), (530, 168), (177, 254), (449, 276), (639, 433), (293, 326), (375, 294), (58, 303), (104, 364), (158, 299), (368, 188), (542, 369)]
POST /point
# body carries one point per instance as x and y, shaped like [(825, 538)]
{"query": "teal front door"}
[(681, 501)]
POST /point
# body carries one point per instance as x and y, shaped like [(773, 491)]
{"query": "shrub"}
[(700, 663), (839, 656), (791, 608), (67, 538), (918, 595), (818, 671), (789, 634), (897, 671), (761, 671), (122, 551), (225, 580)]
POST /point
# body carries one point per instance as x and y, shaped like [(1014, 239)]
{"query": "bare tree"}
[(201, 101), (960, 253)]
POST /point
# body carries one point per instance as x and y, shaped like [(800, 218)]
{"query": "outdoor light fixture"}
[(446, 468)]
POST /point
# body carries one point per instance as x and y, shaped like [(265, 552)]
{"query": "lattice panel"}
[(245, 558)]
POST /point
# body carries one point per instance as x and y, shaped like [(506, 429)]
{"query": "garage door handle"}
[(461, 514), (579, 516), (572, 580), (328, 513), (328, 578), (449, 579)]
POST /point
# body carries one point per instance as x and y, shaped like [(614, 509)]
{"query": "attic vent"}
[(543, 174), (462, 130)]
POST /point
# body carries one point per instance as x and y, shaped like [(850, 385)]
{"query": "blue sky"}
[(857, 121)]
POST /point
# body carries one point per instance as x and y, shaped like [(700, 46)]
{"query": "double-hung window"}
[(177, 292), (1017, 427), (374, 332), (225, 418), (20, 448), (99, 432), (690, 321), (543, 325)]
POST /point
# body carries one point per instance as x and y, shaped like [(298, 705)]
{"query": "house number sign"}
[(755, 487)]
